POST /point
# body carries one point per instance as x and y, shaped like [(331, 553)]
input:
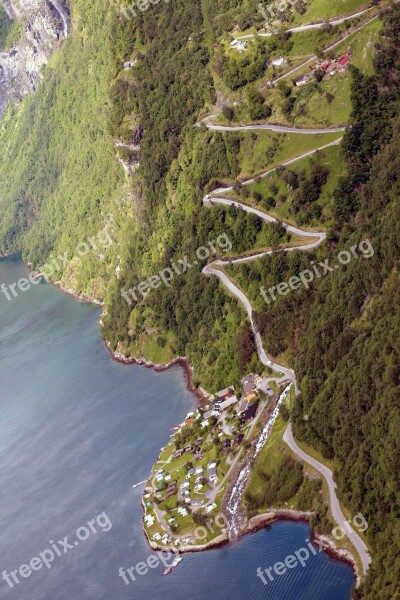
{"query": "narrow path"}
[(334, 502)]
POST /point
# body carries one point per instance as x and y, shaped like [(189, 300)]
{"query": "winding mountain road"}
[(214, 268), (334, 502)]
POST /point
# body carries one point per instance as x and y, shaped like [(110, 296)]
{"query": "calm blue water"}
[(76, 431)]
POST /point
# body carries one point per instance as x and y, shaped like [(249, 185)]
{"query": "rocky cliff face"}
[(44, 23)]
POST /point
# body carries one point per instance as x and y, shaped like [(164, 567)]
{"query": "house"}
[(242, 406), (301, 80), (178, 453), (188, 448), (248, 383), (211, 507), (343, 64), (249, 413), (204, 423), (250, 396), (184, 485), (278, 62), (238, 45), (228, 402), (226, 393)]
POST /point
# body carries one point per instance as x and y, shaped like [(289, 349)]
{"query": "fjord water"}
[(77, 430)]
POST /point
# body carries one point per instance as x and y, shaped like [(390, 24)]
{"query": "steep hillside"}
[(107, 165)]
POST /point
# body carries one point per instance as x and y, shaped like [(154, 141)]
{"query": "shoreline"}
[(253, 524), (77, 296), (263, 521), (181, 361)]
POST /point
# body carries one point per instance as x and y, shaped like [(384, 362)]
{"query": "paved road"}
[(308, 26), (334, 502), (277, 128), (214, 268), (327, 49), (286, 163)]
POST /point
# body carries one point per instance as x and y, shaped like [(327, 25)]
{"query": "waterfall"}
[(238, 489)]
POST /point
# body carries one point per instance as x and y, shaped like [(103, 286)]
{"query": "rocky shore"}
[(182, 361)]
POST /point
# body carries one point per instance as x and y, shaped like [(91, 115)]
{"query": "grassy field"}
[(325, 9), (329, 158), (261, 150), (328, 103)]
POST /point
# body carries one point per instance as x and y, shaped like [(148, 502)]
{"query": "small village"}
[(327, 67), (189, 479)]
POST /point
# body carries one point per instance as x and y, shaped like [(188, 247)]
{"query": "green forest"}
[(62, 182)]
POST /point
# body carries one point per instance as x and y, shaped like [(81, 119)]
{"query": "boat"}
[(175, 562)]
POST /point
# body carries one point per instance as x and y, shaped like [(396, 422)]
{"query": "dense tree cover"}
[(279, 486), (59, 177), (60, 182), (343, 332)]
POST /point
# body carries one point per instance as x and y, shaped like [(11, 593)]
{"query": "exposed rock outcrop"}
[(44, 23)]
